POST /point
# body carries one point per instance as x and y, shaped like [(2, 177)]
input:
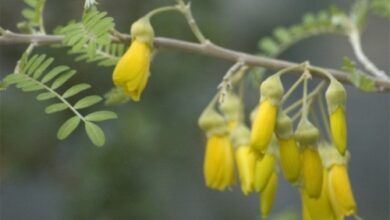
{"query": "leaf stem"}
[(305, 99), (324, 116), (299, 102), (185, 9), (161, 10), (292, 89), (62, 99)]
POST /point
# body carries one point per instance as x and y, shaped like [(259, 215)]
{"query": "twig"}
[(185, 9), (354, 39), (207, 49)]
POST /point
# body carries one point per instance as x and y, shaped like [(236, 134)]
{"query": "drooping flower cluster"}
[(318, 168)]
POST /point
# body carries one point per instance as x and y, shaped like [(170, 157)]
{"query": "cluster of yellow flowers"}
[(314, 166), (318, 169)]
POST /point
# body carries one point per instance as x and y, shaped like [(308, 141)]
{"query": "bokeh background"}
[(151, 165)]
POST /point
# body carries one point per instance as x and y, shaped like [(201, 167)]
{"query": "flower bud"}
[(263, 171), (272, 89), (312, 172), (246, 168), (212, 122), (267, 197), (142, 31), (340, 191), (306, 133), (290, 159)]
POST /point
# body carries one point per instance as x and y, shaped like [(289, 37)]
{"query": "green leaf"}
[(282, 35), (53, 73), (359, 13), (95, 133), (62, 79), (101, 116), (32, 88), (89, 3), (55, 108), (35, 64), (87, 101), (14, 78), (28, 61), (25, 83), (269, 46), (42, 67), (68, 127), (309, 21), (33, 14), (357, 77), (45, 96), (91, 38), (381, 7), (311, 25), (116, 96), (75, 90)]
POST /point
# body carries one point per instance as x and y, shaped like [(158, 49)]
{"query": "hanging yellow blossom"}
[(305, 209), (265, 119), (263, 125), (267, 197), (340, 190), (289, 151), (318, 208), (246, 168), (219, 163), (132, 70), (338, 129), (336, 98), (290, 159), (312, 172), (263, 171)]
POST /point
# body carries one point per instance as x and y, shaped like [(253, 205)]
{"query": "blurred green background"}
[(151, 165)]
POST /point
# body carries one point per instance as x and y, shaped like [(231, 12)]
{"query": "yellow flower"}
[(263, 125), (246, 168), (290, 159), (268, 195), (340, 191), (318, 208), (305, 210), (219, 162), (336, 97), (132, 70), (263, 171), (312, 172), (338, 129)]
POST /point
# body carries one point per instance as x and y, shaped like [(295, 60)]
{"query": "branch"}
[(354, 38), (208, 49)]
